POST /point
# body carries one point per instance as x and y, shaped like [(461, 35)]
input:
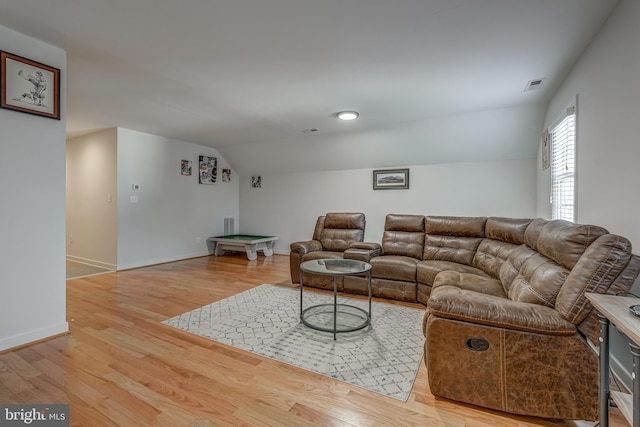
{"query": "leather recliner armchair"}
[(334, 233)]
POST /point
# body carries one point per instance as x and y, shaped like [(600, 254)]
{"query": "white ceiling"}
[(248, 76)]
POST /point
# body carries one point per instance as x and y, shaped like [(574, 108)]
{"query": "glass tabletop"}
[(335, 266)]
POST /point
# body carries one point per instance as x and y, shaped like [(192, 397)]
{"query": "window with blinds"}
[(563, 167)]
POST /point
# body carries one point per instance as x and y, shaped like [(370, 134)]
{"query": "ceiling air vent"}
[(534, 84)]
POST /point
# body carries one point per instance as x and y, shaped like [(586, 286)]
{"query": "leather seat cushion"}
[(394, 267), (427, 270), (470, 282), (321, 254)]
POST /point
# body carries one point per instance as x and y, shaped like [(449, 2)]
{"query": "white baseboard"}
[(92, 262), (154, 261), (32, 336)]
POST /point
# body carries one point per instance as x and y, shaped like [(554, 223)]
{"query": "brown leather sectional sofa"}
[(507, 320)]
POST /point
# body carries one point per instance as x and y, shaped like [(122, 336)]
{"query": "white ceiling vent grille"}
[(534, 84)]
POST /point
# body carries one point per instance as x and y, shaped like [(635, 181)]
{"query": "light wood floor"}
[(120, 367)]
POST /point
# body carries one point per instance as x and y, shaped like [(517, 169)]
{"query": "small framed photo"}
[(29, 86), (185, 167), (391, 179), (546, 149)]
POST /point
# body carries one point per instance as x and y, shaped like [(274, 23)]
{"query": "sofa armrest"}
[(306, 247), (372, 246), (469, 306), (363, 251)]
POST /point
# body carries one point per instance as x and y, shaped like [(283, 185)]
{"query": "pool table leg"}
[(268, 248), (252, 251), (218, 249)]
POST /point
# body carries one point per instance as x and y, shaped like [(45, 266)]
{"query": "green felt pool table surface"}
[(242, 237)]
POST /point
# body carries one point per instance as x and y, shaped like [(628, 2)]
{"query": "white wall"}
[(434, 140), (605, 79), (32, 194), (288, 205), (174, 214), (92, 198)]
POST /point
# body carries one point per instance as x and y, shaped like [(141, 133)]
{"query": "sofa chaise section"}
[(517, 343)]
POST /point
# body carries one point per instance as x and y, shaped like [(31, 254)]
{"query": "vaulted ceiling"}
[(433, 80)]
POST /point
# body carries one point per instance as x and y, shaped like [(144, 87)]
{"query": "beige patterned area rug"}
[(265, 320)]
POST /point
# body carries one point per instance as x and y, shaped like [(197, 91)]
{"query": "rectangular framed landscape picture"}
[(391, 179), (29, 86)]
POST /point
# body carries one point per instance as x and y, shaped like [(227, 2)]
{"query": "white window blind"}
[(563, 167)]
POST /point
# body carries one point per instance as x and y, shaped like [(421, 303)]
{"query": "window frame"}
[(555, 183)]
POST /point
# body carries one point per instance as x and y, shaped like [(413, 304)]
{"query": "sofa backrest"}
[(502, 236), (561, 261), (337, 230), (451, 238), (403, 235), (537, 272)]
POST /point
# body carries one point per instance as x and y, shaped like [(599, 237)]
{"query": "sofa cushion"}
[(403, 243), (394, 289), (565, 242), (337, 230), (450, 248), (510, 230), (562, 241), (428, 270), (338, 240), (491, 254), (321, 255), (394, 267), (344, 220), (452, 302), (455, 226), (470, 282), (511, 267), (538, 281), (503, 235), (396, 222), (533, 231)]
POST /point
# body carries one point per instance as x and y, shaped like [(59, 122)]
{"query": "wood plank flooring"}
[(120, 367)]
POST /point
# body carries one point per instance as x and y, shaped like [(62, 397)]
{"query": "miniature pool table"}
[(249, 243)]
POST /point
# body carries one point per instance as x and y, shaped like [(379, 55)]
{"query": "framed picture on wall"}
[(208, 170), (546, 149), (391, 179), (185, 167), (29, 86)]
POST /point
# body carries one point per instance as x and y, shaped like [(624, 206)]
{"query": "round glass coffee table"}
[(335, 317)]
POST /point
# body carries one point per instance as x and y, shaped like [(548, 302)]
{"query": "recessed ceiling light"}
[(348, 115)]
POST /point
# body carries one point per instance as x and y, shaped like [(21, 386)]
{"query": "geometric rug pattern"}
[(383, 357)]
